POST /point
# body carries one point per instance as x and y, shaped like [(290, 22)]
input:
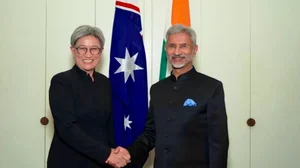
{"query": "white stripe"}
[(127, 9)]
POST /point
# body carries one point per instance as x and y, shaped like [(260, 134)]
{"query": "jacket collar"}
[(82, 74), (184, 76)]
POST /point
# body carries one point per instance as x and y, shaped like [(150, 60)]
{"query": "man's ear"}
[(195, 50)]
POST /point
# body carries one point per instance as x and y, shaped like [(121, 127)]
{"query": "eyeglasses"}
[(93, 50), (173, 47)]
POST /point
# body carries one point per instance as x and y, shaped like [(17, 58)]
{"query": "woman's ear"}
[(73, 50)]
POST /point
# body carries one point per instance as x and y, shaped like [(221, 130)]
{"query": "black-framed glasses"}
[(93, 50)]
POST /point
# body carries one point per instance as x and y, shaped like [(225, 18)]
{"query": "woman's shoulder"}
[(65, 76), (101, 76)]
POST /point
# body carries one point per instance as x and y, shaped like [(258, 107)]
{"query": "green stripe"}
[(163, 62)]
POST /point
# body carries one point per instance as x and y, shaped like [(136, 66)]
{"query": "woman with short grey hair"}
[(86, 30), (81, 101)]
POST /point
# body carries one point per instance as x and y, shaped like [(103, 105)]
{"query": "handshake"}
[(118, 157)]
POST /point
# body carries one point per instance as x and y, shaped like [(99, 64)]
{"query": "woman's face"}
[(86, 53)]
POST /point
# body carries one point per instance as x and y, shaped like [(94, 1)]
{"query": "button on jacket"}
[(187, 124), (81, 109)]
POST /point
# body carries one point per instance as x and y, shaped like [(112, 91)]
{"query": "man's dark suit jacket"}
[(81, 110), (185, 136)]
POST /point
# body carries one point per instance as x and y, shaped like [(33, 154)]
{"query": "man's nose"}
[(177, 50)]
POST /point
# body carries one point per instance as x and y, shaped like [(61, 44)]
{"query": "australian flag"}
[(128, 73)]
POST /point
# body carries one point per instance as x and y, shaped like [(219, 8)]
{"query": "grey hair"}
[(179, 28), (85, 30)]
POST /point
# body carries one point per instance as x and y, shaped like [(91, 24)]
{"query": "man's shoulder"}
[(198, 79), (206, 78), (198, 76), (161, 83)]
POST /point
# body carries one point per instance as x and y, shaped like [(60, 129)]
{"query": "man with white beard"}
[(187, 121)]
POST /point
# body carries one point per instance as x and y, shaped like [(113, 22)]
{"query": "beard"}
[(185, 60)]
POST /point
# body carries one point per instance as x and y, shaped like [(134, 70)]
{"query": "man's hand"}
[(124, 153), (118, 157)]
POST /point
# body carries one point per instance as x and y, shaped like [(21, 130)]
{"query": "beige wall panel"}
[(22, 83), (275, 81)]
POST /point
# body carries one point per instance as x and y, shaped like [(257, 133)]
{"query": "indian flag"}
[(179, 14)]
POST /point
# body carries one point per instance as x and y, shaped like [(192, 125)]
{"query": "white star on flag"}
[(127, 122), (127, 65)]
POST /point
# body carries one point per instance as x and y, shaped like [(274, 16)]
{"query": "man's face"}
[(86, 53), (180, 50)]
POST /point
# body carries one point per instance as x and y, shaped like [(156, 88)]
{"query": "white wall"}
[(55, 19), (22, 43), (241, 43)]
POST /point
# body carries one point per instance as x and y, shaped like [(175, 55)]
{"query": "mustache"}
[(178, 56)]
